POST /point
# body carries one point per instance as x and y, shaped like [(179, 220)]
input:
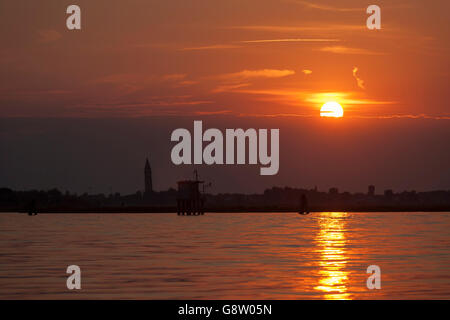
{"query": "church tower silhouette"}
[(148, 179)]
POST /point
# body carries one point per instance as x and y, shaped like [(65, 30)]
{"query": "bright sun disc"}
[(332, 109)]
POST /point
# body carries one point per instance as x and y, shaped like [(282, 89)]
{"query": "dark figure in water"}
[(32, 208), (303, 205)]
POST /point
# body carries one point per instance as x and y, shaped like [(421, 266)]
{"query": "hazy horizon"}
[(104, 155)]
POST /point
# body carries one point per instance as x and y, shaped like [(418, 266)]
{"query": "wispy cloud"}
[(345, 98), (327, 7), (233, 82), (292, 29), (178, 80), (34, 94), (347, 116), (154, 107), (48, 35), (262, 73), (119, 78), (403, 116), (277, 115), (230, 82), (186, 83), (307, 71), (208, 113), (347, 50), (241, 43), (324, 7), (229, 87), (174, 76), (291, 40), (359, 81), (150, 102), (131, 82), (295, 97), (211, 47)]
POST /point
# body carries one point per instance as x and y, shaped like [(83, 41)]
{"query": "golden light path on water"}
[(323, 255), (331, 242)]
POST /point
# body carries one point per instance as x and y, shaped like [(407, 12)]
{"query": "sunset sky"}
[(139, 69)]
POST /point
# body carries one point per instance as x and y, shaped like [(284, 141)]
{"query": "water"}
[(226, 255)]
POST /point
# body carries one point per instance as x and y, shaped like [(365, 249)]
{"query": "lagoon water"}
[(225, 255)]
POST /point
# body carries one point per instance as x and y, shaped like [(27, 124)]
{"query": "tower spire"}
[(148, 178)]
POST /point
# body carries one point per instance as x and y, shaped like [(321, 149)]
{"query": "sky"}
[(80, 110)]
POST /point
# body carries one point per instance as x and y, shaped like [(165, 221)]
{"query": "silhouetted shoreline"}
[(275, 199), (163, 210)]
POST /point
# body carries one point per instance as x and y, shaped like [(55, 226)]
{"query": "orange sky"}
[(140, 69), (247, 58)]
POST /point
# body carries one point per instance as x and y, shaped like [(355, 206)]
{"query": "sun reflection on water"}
[(330, 242)]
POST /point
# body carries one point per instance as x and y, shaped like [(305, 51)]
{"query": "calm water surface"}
[(226, 255)]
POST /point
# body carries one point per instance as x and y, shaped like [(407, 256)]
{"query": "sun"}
[(332, 109)]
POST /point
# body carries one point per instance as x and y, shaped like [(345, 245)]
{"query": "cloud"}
[(119, 78), (291, 40), (306, 71), (294, 97), (233, 46), (347, 50), (276, 115), (263, 73), (174, 77), (149, 103), (187, 83), (403, 116), (47, 35), (232, 82), (132, 82), (211, 47), (314, 115), (327, 7), (230, 87), (312, 28), (345, 98), (359, 81), (208, 113), (178, 80)]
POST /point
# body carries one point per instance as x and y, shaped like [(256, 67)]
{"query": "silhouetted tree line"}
[(276, 198)]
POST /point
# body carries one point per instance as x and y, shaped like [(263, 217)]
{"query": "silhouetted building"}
[(333, 191), (189, 198), (148, 179), (389, 194), (371, 190)]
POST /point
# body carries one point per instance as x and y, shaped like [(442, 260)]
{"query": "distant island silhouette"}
[(192, 198)]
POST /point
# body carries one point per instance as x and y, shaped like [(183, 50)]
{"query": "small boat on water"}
[(32, 211), (303, 210)]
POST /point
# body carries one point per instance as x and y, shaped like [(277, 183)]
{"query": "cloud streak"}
[(347, 50), (48, 35), (295, 97), (311, 28), (263, 73), (327, 7), (359, 81), (291, 40), (229, 87), (211, 47)]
